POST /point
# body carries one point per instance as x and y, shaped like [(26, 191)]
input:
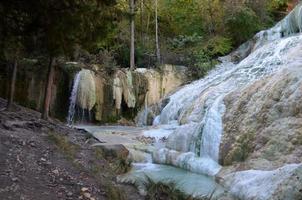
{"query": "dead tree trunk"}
[(156, 36), (132, 31)]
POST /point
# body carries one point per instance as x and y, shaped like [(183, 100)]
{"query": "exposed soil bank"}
[(47, 160)]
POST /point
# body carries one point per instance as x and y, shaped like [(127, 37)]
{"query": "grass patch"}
[(67, 148), (122, 166), (118, 164), (167, 191), (113, 192)]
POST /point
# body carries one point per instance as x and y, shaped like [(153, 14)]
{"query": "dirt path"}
[(42, 160)]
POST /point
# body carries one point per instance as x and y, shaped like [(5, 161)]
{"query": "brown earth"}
[(48, 160)]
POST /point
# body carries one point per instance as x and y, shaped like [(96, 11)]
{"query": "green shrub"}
[(163, 191), (183, 41), (218, 46), (242, 24), (168, 191), (199, 63)]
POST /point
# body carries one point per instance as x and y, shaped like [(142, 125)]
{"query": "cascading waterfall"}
[(73, 99), (83, 97), (143, 116), (198, 108)]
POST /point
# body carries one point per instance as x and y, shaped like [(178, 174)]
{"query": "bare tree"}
[(156, 34), (12, 86), (132, 32), (142, 19)]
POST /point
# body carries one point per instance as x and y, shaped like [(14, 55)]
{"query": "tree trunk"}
[(142, 19), (132, 29), (47, 96), (156, 36), (12, 86)]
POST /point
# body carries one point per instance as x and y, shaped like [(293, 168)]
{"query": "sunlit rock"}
[(282, 183), (264, 120), (123, 89), (99, 89)]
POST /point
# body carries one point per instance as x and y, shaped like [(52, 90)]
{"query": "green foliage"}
[(183, 41), (180, 17), (242, 24), (200, 63), (14, 29), (191, 33), (275, 5), (200, 54), (64, 23), (218, 46)]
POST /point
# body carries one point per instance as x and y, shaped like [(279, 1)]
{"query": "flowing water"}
[(189, 128), (82, 98), (73, 99), (196, 110)]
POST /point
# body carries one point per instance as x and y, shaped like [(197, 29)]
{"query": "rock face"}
[(123, 89), (263, 122), (261, 147), (100, 97), (162, 82)]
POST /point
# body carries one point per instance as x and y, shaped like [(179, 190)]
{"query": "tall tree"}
[(14, 25), (156, 35), (63, 24), (132, 32), (12, 86)]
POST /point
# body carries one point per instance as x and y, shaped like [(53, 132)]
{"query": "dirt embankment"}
[(49, 161)]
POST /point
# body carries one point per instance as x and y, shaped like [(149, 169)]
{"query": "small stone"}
[(15, 179), (43, 159), (84, 189), (69, 194), (32, 144), (87, 195), (56, 172), (61, 179)]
